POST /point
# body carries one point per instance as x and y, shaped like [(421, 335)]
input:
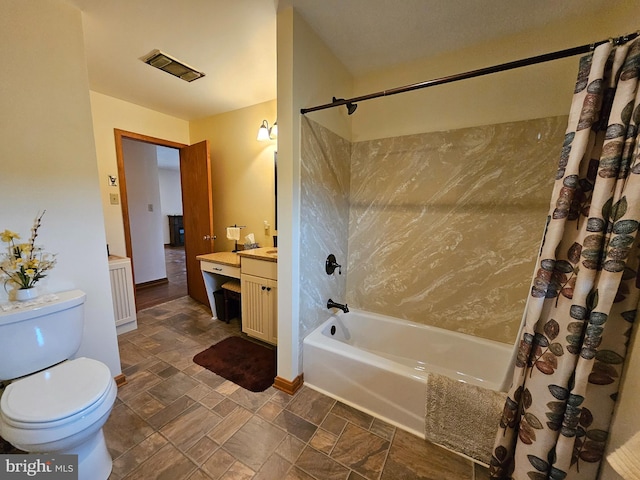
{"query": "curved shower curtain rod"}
[(569, 52)]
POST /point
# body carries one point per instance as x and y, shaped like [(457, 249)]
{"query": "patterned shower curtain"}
[(585, 292)]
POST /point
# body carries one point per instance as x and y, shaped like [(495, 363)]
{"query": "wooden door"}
[(197, 208)]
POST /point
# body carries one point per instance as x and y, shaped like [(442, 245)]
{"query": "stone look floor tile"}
[(223, 407), (361, 451), (250, 400), (198, 475), (295, 425), (269, 411), (138, 454), (254, 442), (227, 388), (296, 474), (211, 399), (361, 419), (169, 412), (334, 424), (321, 466), (172, 388), (323, 441), (218, 463), (311, 405), (145, 405), (414, 458), (199, 392), (290, 448), (382, 429), (275, 467), (238, 471), (136, 384), (177, 420), (230, 425), (357, 476), (202, 449), (166, 463), (185, 431), (124, 429)]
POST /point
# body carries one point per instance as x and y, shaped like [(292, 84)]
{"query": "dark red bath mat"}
[(241, 361)]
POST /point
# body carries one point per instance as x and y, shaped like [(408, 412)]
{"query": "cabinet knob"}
[(263, 287), (268, 289)]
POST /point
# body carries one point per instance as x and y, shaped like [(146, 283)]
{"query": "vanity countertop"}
[(270, 254), (225, 258)]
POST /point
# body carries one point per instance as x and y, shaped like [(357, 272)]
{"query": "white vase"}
[(24, 294)]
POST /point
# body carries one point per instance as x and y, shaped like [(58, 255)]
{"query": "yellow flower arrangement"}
[(25, 263)]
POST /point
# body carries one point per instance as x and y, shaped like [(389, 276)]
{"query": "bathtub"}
[(379, 364)]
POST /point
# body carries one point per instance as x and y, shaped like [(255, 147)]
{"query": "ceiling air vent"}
[(170, 65)]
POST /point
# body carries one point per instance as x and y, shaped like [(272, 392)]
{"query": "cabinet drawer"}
[(260, 268), (220, 269)]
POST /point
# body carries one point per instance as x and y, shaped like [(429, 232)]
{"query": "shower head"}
[(351, 107)]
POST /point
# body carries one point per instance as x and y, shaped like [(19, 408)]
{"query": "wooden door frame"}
[(124, 202)]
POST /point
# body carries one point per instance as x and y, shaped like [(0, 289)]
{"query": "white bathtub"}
[(380, 364)]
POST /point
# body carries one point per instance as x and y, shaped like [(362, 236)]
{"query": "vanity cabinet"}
[(259, 286), (217, 269)]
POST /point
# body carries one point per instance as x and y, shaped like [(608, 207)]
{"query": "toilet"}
[(55, 403)]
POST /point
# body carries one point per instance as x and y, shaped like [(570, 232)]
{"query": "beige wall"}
[(108, 114), (538, 91), (243, 172), (48, 158), (308, 74)]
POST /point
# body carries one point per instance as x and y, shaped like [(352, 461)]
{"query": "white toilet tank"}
[(35, 338)]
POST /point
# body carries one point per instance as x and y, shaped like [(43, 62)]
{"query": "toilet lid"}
[(57, 392)]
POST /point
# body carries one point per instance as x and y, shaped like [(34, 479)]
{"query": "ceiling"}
[(234, 41)]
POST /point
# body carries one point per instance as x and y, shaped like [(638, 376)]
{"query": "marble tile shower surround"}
[(443, 227), (324, 221)]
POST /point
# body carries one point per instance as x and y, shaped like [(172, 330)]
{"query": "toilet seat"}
[(58, 395)]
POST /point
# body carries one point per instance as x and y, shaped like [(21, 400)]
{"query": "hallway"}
[(148, 296)]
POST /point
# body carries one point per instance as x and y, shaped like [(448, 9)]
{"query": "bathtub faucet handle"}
[(332, 304), (331, 265)]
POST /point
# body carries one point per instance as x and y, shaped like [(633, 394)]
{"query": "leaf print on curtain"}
[(585, 292)]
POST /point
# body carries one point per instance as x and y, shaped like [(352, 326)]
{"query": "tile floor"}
[(176, 420)]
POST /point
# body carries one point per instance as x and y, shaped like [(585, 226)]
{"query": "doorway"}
[(141, 212)]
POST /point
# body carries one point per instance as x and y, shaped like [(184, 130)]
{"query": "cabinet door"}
[(271, 310), (253, 323)]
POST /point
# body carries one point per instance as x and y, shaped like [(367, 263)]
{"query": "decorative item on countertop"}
[(25, 263), (250, 242)]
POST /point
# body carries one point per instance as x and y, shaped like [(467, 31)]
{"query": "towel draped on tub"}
[(462, 417)]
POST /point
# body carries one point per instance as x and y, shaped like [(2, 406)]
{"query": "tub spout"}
[(332, 304)]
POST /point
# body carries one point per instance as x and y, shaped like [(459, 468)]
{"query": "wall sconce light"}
[(265, 132)]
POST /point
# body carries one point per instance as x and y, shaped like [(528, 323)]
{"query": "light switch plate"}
[(113, 199)]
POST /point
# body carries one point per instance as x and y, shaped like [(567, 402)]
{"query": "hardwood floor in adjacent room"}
[(151, 295)]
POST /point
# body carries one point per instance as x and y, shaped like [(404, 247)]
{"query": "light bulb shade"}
[(263, 131), (274, 130)]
